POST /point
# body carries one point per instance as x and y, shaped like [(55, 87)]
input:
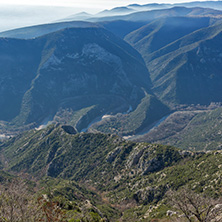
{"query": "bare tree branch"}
[(193, 205)]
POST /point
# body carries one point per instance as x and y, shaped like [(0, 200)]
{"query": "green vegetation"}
[(70, 117), (193, 130), (85, 78), (77, 75), (63, 202), (148, 39), (104, 176), (148, 111), (202, 133), (185, 65)]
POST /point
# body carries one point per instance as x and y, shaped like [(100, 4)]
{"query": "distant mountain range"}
[(40, 30), (153, 6), (132, 8), (88, 70), (119, 25), (149, 38), (80, 73), (154, 14), (84, 105)]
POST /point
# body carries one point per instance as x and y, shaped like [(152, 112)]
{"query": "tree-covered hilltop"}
[(127, 178)]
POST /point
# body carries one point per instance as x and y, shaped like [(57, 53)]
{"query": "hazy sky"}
[(96, 4), (21, 13)]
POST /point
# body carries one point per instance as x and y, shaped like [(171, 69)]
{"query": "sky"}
[(21, 13), (93, 4)]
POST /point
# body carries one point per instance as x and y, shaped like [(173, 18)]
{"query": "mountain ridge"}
[(109, 70), (118, 172), (168, 65)]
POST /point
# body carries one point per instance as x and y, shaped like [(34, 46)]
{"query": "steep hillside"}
[(148, 111), (121, 28), (149, 38), (203, 132), (194, 130), (51, 152), (87, 70), (187, 70), (95, 53), (19, 63), (84, 111), (130, 177)]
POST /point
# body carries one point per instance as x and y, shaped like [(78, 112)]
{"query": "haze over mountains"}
[(77, 66), (187, 69), (16, 16), (70, 65), (80, 97)]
